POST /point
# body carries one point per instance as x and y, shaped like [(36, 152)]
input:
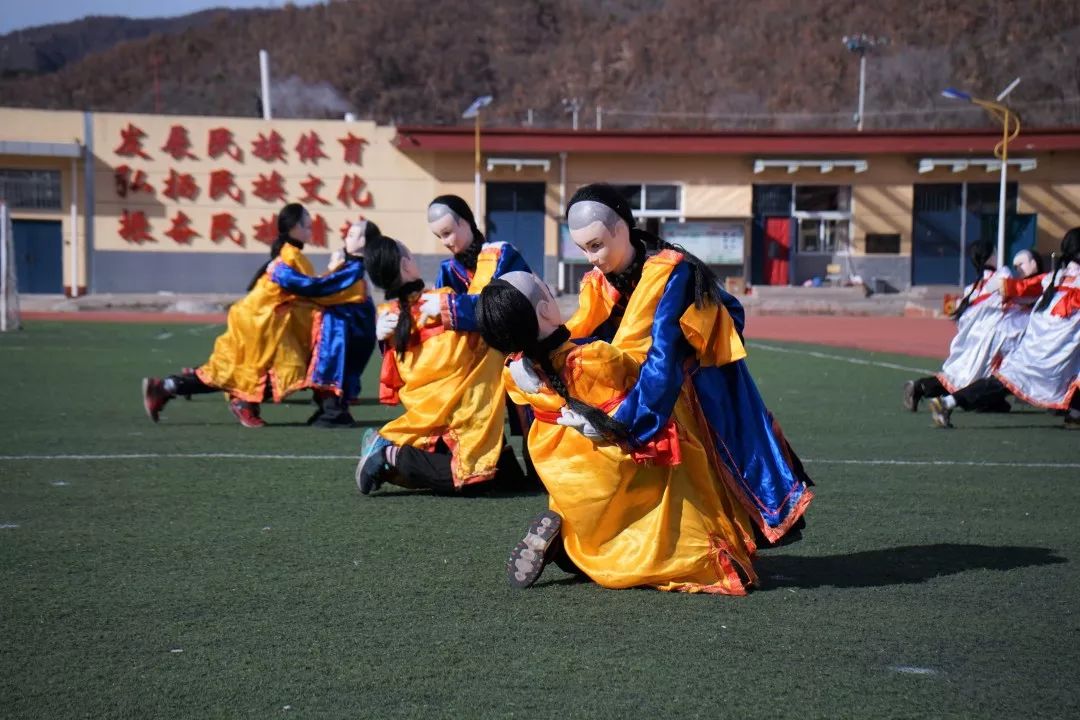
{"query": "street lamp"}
[(473, 112), (573, 107), (861, 44), (1010, 128)]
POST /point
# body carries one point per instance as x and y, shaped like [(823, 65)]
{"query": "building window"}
[(824, 216), (653, 201), (822, 198), (883, 243), (30, 189), (822, 235)]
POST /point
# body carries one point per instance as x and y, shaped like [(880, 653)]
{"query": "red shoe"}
[(246, 413), (154, 397)]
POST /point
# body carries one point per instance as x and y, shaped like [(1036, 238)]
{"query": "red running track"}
[(924, 337)]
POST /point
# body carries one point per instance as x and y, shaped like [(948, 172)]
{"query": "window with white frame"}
[(823, 213), (653, 200)]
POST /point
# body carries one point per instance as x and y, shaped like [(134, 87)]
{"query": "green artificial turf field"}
[(166, 584)]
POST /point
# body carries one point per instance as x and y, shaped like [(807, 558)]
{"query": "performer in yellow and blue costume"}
[(649, 514), (343, 333), (666, 310), (450, 437), (473, 265), (266, 347)]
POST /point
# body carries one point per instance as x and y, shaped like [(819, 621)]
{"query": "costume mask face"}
[(452, 231), (354, 239), (1024, 263), (548, 316), (409, 271), (602, 235)]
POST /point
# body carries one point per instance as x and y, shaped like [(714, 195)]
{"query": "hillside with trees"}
[(646, 63)]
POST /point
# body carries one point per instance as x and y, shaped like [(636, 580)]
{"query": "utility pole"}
[(861, 44), (573, 106)]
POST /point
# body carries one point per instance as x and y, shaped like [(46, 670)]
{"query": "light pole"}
[(473, 111), (861, 44), (573, 106), (1010, 128)]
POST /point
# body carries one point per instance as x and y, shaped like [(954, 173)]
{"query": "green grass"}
[(283, 587)]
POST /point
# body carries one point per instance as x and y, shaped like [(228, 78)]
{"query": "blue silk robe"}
[(343, 329), (686, 350)]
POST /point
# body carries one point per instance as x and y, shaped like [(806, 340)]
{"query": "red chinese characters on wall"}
[(223, 184), (269, 147), (309, 148), (134, 227), (318, 231), (354, 148), (311, 190), (269, 188), (130, 180), (180, 185), (221, 142), (181, 231), (266, 230), (223, 227), (130, 145), (179, 144), (354, 191)]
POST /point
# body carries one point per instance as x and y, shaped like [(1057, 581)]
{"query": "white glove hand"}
[(994, 284), (569, 418), (385, 325), (430, 306), (524, 375), (337, 259)]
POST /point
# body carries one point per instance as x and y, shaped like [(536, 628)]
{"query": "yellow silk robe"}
[(628, 523), (267, 340), (754, 459), (450, 384), (710, 330)]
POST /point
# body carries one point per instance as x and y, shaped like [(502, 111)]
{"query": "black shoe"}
[(912, 396), (540, 545)]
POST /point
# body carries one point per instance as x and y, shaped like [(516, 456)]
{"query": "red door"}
[(777, 250)]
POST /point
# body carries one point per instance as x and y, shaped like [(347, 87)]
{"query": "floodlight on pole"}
[(860, 45), (1010, 128), (473, 112)]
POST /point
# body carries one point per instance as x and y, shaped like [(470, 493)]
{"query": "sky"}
[(17, 15)]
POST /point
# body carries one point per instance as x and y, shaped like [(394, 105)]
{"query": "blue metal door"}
[(515, 214), (39, 247), (935, 248)]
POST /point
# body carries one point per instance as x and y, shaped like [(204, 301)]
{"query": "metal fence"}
[(30, 189)]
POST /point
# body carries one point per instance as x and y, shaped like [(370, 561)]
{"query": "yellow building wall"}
[(388, 184), (49, 126)]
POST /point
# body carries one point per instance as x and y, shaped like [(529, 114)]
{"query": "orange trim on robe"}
[(450, 384), (625, 523), (267, 340)]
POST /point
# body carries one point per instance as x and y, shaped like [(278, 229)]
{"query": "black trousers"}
[(981, 394), (930, 387), (190, 384), (431, 470)]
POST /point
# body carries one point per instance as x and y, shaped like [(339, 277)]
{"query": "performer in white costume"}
[(1044, 369), (988, 328)]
